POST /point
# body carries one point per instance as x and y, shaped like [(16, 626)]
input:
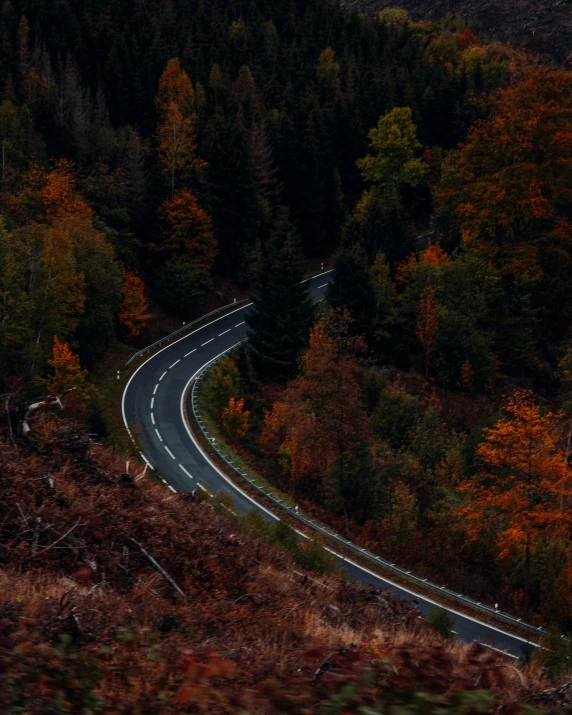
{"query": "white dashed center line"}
[(239, 324), (325, 284), (225, 332), (175, 363), (169, 452), (185, 471), (152, 402), (192, 351), (152, 418), (162, 376), (207, 342), (158, 434), (156, 388)]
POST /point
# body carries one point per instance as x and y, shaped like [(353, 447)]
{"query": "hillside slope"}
[(539, 25), (118, 596)]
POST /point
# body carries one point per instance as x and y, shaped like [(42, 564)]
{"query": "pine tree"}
[(279, 325)]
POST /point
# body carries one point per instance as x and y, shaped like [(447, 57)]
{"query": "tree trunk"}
[(527, 578)]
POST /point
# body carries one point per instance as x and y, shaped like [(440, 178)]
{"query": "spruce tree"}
[(351, 289), (279, 325)]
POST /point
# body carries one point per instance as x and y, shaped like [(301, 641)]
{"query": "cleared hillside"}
[(540, 25)]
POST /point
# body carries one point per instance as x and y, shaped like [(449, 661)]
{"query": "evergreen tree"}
[(351, 289), (279, 325)]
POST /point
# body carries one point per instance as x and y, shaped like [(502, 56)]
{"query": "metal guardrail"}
[(184, 329), (407, 575)]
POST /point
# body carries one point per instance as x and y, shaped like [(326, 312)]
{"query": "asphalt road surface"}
[(153, 411)]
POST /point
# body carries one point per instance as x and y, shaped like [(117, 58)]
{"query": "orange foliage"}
[(322, 413), (189, 232), (511, 182), (176, 130), (434, 255), (46, 196), (68, 376), (175, 87), (467, 39), (523, 488), (133, 311), (235, 418)]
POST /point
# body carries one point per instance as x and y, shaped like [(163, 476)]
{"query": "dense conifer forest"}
[(158, 159)]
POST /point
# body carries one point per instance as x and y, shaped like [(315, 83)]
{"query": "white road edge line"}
[(167, 347), (185, 471), (158, 434), (201, 487), (429, 600), (334, 553), (175, 363), (192, 351), (147, 462), (498, 650), (206, 456), (169, 452), (172, 488), (313, 278), (207, 342), (225, 332), (152, 418)]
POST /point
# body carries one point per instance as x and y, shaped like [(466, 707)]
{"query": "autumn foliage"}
[(321, 414), (234, 418), (133, 314), (510, 183), (188, 232), (522, 490), (68, 381)]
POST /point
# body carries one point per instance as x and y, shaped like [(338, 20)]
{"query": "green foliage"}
[(394, 164), (283, 536), (181, 288), (351, 289), (279, 324), (374, 386), (397, 416), (440, 620), (223, 383), (555, 656), (394, 17), (311, 555)]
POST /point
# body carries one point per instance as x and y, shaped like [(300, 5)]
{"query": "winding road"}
[(153, 407)]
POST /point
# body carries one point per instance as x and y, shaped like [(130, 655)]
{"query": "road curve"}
[(152, 407)]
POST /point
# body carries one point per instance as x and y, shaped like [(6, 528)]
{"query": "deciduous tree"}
[(523, 487), (133, 313), (176, 129), (67, 376), (234, 417), (188, 232), (322, 416)]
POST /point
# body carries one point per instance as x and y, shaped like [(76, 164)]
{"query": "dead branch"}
[(35, 536), (50, 546), (159, 568), (516, 670), (10, 422)]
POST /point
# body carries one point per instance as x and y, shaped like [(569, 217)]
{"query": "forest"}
[(159, 158)]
